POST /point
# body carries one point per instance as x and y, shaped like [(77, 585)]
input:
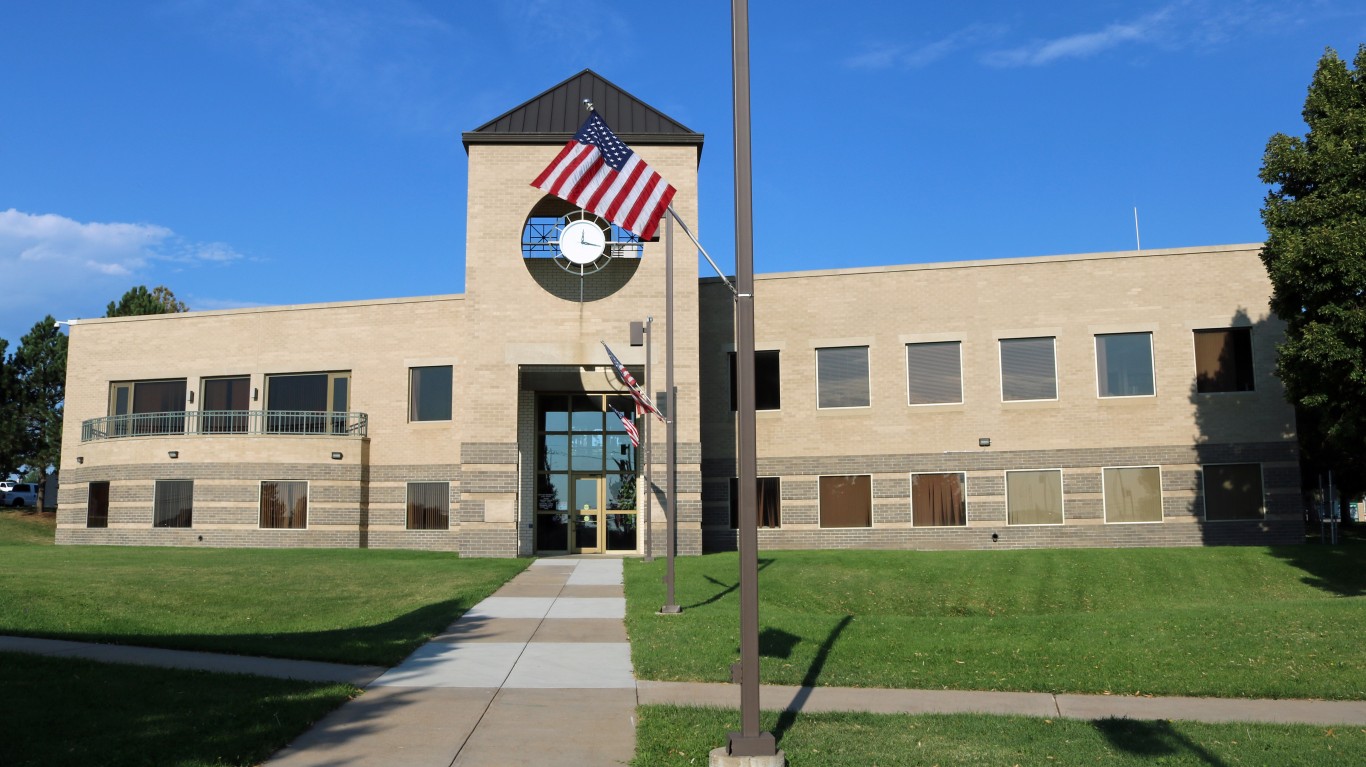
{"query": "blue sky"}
[(293, 151)]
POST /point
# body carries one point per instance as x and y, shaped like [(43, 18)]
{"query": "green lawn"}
[(66, 711), (1228, 621), (342, 605), (667, 736)]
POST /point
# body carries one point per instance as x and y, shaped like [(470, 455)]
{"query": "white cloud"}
[(914, 56), (1152, 28)]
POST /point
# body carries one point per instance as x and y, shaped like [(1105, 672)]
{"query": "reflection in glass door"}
[(586, 475)]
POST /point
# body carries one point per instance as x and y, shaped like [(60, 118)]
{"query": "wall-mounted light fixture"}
[(984, 441), (336, 456), (173, 453), (191, 396), (80, 459), (255, 393), (995, 537)]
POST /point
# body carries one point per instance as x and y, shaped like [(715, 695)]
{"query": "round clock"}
[(579, 242)]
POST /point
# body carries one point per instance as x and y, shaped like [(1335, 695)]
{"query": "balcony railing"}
[(293, 422)]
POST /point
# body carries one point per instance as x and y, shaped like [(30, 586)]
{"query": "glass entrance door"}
[(585, 475)]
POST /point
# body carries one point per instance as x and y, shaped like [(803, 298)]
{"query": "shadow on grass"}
[(813, 673), (381, 644), (725, 587), (1152, 739), (1339, 570)]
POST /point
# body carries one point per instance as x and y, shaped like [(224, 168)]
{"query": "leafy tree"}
[(139, 301), (1315, 253), (40, 365), (11, 435)]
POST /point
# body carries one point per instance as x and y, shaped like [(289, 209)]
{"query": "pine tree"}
[(40, 365)]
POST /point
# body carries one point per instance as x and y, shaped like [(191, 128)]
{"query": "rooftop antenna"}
[(588, 105), (1138, 243)]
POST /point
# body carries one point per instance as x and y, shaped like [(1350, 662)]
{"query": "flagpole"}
[(649, 451), (749, 741), (671, 427), (687, 231)]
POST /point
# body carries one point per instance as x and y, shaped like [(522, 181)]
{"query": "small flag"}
[(599, 173), (630, 424), (642, 400)]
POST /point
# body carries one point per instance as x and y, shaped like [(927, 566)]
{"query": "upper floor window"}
[(842, 377), (1124, 364), (221, 402), (934, 373), (1223, 360), (767, 389), (147, 407), (293, 399), (429, 393), (1028, 369)]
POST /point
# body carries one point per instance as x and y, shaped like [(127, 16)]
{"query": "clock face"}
[(582, 242)]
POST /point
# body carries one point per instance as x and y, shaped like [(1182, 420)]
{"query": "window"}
[(297, 403), (1223, 360), (934, 373), (429, 505), (1233, 491), (1028, 369), (97, 505), (429, 393), (284, 504), (223, 405), (1133, 494), (1124, 364), (768, 502), (847, 501), (172, 504), (147, 407), (1034, 497), (937, 500), (767, 391), (842, 377)]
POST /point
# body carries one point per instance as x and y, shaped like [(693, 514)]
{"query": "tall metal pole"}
[(749, 741), (649, 449), (671, 427)]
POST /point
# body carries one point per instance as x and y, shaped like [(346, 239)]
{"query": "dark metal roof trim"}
[(555, 115)]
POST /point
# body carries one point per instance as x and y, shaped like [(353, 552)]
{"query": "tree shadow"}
[(813, 674), (725, 587), (1152, 739)]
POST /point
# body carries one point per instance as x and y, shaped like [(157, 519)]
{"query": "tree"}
[(40, 365), (138, 301), (1315, 254), (11, 435)]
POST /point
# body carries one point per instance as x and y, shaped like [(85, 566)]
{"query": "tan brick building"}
[(1121, 399)]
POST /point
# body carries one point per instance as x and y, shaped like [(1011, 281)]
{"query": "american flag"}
[(599, 173), (630, 424), (642, 401)]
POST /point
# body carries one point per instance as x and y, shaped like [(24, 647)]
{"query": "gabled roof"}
[(555, 115)]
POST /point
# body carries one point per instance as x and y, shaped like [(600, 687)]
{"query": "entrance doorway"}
[(585, 475)]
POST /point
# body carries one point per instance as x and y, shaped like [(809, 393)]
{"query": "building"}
[(1117, 399)]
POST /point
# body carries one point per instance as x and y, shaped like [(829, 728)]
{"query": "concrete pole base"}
[(719, 758)]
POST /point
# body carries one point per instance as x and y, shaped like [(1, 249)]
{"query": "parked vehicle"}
[(20, 494)]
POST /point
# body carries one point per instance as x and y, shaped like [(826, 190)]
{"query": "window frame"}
[(778, 379), (1251, 359), (820, 518), (1062, 498), (308, 498), (413, 405), (1161, 497), (156, 500), (1001, 371), (1152, 363), (89, 498), (732, 489), (962, 483), (1204, 493), (867, 378), (961, 396), (408, 505)]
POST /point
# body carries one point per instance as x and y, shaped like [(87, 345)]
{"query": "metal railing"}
[(294, 422)]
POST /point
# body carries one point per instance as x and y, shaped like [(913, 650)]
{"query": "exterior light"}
[(984, 441), (80, 459), (191, 397), (255, 392), (173, 453), (336, 456), (995, 537)]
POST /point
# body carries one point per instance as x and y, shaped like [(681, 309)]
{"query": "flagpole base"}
[(734, 754), (670, 610)]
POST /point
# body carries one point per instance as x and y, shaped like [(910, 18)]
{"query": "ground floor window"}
[(284, 504), (846, 501), (768, 501), (429, 505), (938, 500), (1233, 491), (1034, 497), (173, 503), (1133, 494), (97, 505)]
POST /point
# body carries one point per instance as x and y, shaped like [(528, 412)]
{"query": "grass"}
[(1226, 622), (668, 735), (342, 605), (65, 711)]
